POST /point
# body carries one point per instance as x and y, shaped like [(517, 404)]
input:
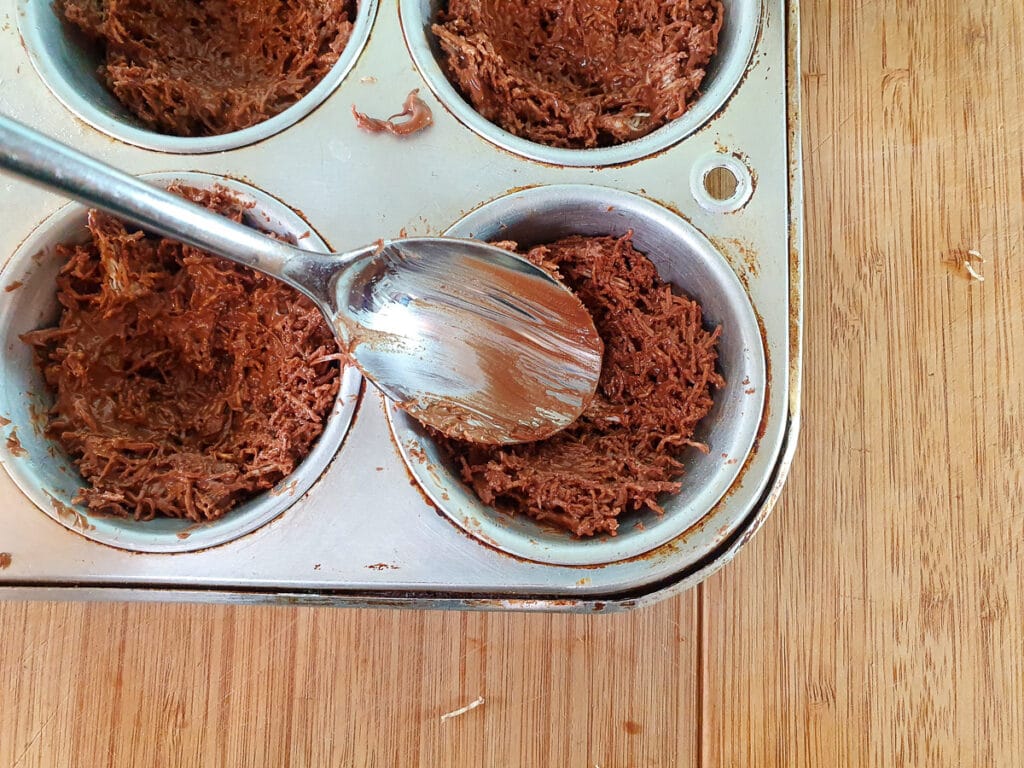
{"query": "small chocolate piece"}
[(414, 108)]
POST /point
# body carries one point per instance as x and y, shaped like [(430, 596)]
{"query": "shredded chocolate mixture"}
[(579, 74), (183, 383), (625, 450), (191, 68)]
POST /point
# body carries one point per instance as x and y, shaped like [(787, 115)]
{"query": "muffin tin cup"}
[(68, 64), (687, 260), (40, 467), (725, 72)]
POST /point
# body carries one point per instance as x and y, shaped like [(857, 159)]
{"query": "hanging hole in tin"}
[(721, 183)]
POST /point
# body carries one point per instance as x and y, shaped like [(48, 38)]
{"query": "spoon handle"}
[(56, 166)]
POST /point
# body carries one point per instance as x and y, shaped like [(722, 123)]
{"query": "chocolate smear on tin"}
[(14, 445)]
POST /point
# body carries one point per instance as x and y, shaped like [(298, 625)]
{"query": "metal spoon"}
[(468, 338)]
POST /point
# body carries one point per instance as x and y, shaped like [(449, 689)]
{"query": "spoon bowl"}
[(468, 338)]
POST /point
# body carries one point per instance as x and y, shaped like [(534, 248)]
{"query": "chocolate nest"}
[(189, 68), (626, 451), (579, 74), (183, 384)]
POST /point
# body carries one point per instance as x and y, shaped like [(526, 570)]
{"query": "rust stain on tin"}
[(4, 421), (13, 286), (382, 567), (743, 257), (762, 428), (5, 560)]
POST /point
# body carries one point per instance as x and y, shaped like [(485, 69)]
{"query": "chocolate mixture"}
[(579, 74), (655, 386), (192, 68), (183, 383)]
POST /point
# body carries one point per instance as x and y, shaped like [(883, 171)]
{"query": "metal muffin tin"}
[(364, 533)]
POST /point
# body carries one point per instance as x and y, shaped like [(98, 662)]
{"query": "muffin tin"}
[(383, 520)]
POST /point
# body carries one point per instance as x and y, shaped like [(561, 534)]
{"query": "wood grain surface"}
[(875, 621)]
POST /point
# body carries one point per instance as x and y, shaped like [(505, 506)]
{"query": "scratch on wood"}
[(463, 710), (38, 733), (965, 263)]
